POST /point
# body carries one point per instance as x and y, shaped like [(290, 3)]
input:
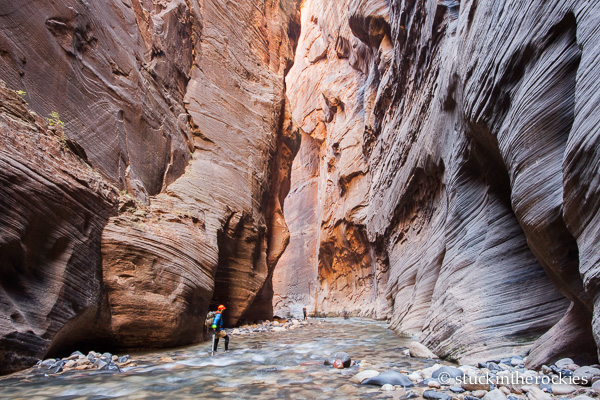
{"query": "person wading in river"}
[(217, 325)]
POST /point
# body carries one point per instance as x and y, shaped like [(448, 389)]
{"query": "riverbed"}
[(262, 366)]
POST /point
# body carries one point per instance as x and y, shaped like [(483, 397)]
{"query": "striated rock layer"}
[(53, 209), (447, 173), (180, 104)]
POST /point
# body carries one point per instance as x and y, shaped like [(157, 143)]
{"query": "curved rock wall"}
[(450, 138), (53, 209), (180, 104)]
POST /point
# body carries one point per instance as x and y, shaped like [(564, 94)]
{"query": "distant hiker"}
[(217, 325), (304, 312)]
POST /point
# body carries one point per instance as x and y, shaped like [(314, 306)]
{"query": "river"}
[(261, 366)]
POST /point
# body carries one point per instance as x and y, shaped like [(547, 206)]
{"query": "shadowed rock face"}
[(53, 209), (454, 191)]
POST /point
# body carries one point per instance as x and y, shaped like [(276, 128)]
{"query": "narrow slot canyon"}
[(427, 168)]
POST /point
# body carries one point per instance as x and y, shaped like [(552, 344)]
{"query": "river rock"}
[(427, 373), (535, 393), (447, 372), (387, 387), (363, 375), (559, 389), (339, 364), (475, 383), (419, 350), (585, 375), (343, 357), (415, 377), (582, 397), (516, 361), (563, 363), (479, 393), (391, 377), (434, 384), (596, 386), (435, 395), (495, 394)]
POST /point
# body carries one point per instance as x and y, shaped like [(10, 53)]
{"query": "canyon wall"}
[(446, 177), (178, 109), (432, 162)]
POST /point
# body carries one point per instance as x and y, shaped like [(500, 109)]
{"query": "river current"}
[(259, 366)]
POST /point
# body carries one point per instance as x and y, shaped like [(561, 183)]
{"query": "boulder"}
[(585, 375), (392, 377), (364, 375), (419, 350)]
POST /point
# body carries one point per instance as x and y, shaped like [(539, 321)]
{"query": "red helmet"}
[(221, 307)]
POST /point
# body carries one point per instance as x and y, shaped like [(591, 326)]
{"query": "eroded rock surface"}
[(180, 104), (53, 209), (457, 161)]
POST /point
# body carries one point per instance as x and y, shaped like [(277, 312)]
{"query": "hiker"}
[(217, 325), (304, 312)]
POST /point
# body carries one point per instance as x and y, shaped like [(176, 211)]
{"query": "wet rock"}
[(495, 394), (419, 350), (585, 375), (343, 357), (434, 384), (457, 389), (435, 395), (111, 367), (391, 377), (338, 364), (166, 359), (364, 375), (123, 359), (99, 363), (415, 377), (428, 372), (447, 372)]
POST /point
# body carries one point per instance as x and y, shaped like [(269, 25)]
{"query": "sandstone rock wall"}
[(180, 104), (455, 142), (53, 207)]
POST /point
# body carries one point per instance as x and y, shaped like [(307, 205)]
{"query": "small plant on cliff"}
[(21, 93), (54, 120)]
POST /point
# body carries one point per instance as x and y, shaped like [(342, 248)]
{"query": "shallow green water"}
[(261, 366)]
